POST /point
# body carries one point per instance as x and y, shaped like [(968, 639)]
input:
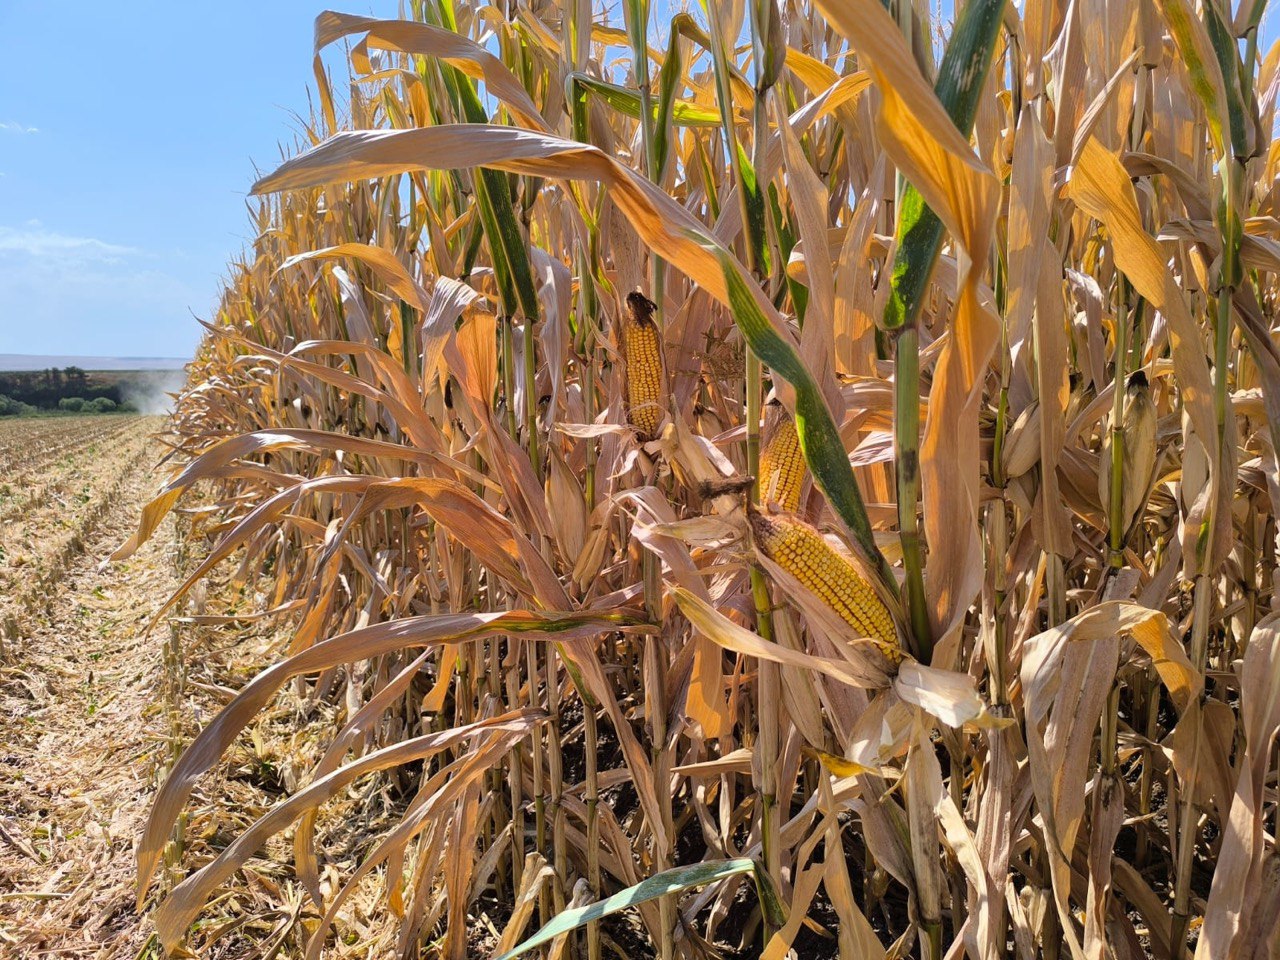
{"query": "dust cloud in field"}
[(151, 392)]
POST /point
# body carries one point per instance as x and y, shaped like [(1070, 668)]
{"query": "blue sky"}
[(128, 137), (129, 132)]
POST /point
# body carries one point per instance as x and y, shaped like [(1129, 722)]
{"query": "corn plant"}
[(803, 474)]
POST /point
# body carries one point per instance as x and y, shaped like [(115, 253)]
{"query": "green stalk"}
[(531, 396), (997, 521), (1116, 520), (539, 775), (1231, 167), (770, 682), (919, 240), (508, 247), (637, 22), (517, 769), (507, 359), (590, 320), (906, 438), (591, 794), (555, 765), (1202, 600), (1147, 778), (655, 704), (589, 313), (767, 58)]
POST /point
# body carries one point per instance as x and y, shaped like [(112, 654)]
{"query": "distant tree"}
[(45, 388), (102, 405), (10, 407), (73, 404)]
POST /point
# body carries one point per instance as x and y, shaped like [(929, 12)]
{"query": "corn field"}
[(783, 478)]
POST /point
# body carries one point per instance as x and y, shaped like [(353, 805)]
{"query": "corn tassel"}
[(641, 343), (803, 552)]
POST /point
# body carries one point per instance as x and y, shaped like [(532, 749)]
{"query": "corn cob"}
[(782, 468), (1138, 428), (641, 344), (803, 552)]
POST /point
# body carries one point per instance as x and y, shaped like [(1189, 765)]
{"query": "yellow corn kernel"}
[(804, 553), (641, 344), (782, 468)]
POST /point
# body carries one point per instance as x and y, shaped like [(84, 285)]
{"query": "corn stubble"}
[(505, 505)]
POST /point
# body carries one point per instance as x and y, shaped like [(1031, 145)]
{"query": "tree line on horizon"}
[(69, 389)]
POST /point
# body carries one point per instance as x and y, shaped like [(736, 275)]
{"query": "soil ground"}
[(80, 726), (93, 710)]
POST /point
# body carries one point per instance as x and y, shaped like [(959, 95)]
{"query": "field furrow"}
[(77, 713), (93, 709), (48, 513)]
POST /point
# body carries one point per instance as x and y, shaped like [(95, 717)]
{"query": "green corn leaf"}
[(708, 177), (497, 209), (635, 14), (959, 87), (819, 439), (497, 185), (682, 113), (1199, 59), (660, 885), (768, 42), (472, 249), (497, 252), (752, 198), (575, 95), (786, 243), (1228, 54), (664, 118)]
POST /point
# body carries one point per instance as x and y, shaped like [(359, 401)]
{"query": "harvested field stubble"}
[(59, 478), (1036, 386)]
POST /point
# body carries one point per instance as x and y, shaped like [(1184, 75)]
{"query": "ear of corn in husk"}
[(1022, 445), (804, 553), (1138, 427), (782, 468), (641, 343)]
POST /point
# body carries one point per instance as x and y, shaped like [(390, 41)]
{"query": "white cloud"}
[(33, 239), (72, 293), (77, 295), (13, 126)]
